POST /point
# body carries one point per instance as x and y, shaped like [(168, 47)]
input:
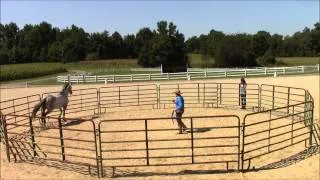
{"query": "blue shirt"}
[(179, 103)]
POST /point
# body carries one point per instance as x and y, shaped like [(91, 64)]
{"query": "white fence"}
[(205, 73)]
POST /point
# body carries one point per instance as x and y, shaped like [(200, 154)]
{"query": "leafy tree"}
[(235, 50), (166, 47), (143, 39), (267, 59), (261, 42)]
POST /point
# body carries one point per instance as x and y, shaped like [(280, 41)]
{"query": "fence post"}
[(96, 78), (245, 72), (192, 146), (284, 70), (147, 142), (265, 71), (131, 77), (149, 77), (318, 67), (168, 76), (302, 69), (225, 73), (61, 139), (32, 138)]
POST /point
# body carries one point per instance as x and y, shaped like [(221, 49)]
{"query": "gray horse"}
[(51, 102)]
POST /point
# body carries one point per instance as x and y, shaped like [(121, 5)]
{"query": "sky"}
[(191, 17)]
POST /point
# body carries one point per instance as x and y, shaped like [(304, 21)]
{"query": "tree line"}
[(255, 49), (163, 45)]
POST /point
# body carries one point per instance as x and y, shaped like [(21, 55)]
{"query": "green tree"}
[(261, 42), (235, 51), (166, 47)]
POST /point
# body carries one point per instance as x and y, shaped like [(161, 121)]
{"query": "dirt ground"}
[(291, 169)]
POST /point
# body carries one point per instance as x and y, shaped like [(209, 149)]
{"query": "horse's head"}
[(67, 88)]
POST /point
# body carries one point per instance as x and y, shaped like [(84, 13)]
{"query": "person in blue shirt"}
[(179, 102)]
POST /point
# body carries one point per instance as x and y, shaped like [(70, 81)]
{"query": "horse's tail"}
[(37, 107)]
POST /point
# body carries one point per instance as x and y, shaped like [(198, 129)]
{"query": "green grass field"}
[(197, 61), (297, 61), (30, 70)]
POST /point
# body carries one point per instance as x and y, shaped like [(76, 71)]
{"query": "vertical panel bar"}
[(198, 94), (288, 100), (100, 148), (96, 133), (239, 135), (273, 97), (217, 95), (98, 100), (138, 96), (32, 137), (147, 142), (28, 105), (311, 124), (243, 141), (80, 100), (119, 96), (204, 94), (220, 93), (192, 145), (269, 131), (14, 111), (158, 97), (61, 139), (292, 125), (239, 94)]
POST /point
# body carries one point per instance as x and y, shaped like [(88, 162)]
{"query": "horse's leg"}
[(64, 111), (61, 114), (43, 117)]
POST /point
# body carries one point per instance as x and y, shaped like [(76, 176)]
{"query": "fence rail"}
[(193, 74)]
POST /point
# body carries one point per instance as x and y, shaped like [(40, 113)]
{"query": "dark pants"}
[(243, 101), (181, 125)]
